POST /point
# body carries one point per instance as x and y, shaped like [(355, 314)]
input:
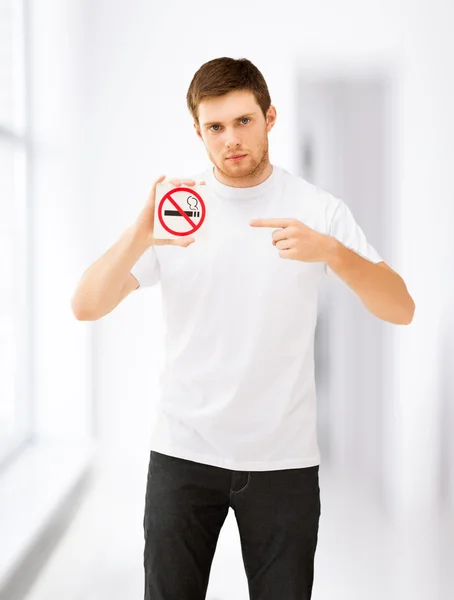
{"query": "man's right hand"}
[(145, 220)]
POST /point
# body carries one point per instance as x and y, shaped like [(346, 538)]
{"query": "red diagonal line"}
[(181, 211)]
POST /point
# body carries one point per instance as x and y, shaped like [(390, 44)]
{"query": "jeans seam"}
[(244, 488)]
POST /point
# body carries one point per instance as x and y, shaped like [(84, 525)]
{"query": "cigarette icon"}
[(194, 212), (176, 213)]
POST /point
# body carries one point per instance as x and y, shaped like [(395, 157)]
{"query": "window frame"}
[(16, 135)]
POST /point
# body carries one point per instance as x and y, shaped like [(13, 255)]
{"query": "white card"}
[(180, 212)]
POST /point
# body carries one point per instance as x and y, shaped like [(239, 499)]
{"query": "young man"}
[(237, 423)]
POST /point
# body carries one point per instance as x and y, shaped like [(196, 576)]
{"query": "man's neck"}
[(255, 178)]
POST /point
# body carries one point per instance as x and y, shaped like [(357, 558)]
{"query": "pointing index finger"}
[(270, 222)]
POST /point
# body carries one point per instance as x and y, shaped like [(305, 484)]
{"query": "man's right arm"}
[(108, 281)]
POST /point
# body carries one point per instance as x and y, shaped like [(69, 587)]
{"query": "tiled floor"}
[(358, 556)]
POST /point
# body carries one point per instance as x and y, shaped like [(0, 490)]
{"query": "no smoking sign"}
[(180, 211)]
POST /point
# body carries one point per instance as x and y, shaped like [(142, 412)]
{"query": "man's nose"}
[(232, 139)]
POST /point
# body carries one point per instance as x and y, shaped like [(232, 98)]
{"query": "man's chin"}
[(240, 169)]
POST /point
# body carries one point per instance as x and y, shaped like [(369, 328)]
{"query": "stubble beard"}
[(256, 165)]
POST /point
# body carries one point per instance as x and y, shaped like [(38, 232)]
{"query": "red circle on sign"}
[(167, 197)]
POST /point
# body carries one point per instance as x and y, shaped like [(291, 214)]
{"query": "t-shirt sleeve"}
[(146, 269), (346, 230)]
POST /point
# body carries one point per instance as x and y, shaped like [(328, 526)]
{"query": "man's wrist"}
[(332, 250), (140, 236)]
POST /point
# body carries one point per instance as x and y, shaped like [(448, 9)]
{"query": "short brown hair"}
[(223, 75)]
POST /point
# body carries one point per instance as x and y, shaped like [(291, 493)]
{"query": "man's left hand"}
[(297, 241)]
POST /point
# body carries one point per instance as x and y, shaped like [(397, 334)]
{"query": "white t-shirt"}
[(238, 386)]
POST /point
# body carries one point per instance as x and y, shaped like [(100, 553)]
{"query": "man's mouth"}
[(236, 157)]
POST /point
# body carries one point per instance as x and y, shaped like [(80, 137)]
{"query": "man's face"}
[(235, 133)]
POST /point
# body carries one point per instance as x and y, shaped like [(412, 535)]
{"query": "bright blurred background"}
[(92, 111)]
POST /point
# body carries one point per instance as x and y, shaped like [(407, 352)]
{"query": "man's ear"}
[(271, 116), (197, 129)]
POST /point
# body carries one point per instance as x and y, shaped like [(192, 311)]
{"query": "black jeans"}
[(186, 504)]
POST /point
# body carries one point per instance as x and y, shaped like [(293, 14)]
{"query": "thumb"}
[(184, 242)]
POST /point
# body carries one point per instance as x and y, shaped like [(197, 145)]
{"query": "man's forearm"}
[(382, 291), (99, 289)]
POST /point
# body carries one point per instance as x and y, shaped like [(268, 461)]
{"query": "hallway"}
[(359, 556)]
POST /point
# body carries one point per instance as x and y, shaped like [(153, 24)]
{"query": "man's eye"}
[(247, 119), (215, 127)]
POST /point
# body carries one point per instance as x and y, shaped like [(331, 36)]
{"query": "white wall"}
[(62, 218), (143, 55), (345, 118)]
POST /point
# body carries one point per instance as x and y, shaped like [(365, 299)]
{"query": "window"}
[(15, 346)]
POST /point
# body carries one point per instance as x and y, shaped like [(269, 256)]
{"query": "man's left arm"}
[(382, 290)]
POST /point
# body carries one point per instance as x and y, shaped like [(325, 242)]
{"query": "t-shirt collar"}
[(241, 193)]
